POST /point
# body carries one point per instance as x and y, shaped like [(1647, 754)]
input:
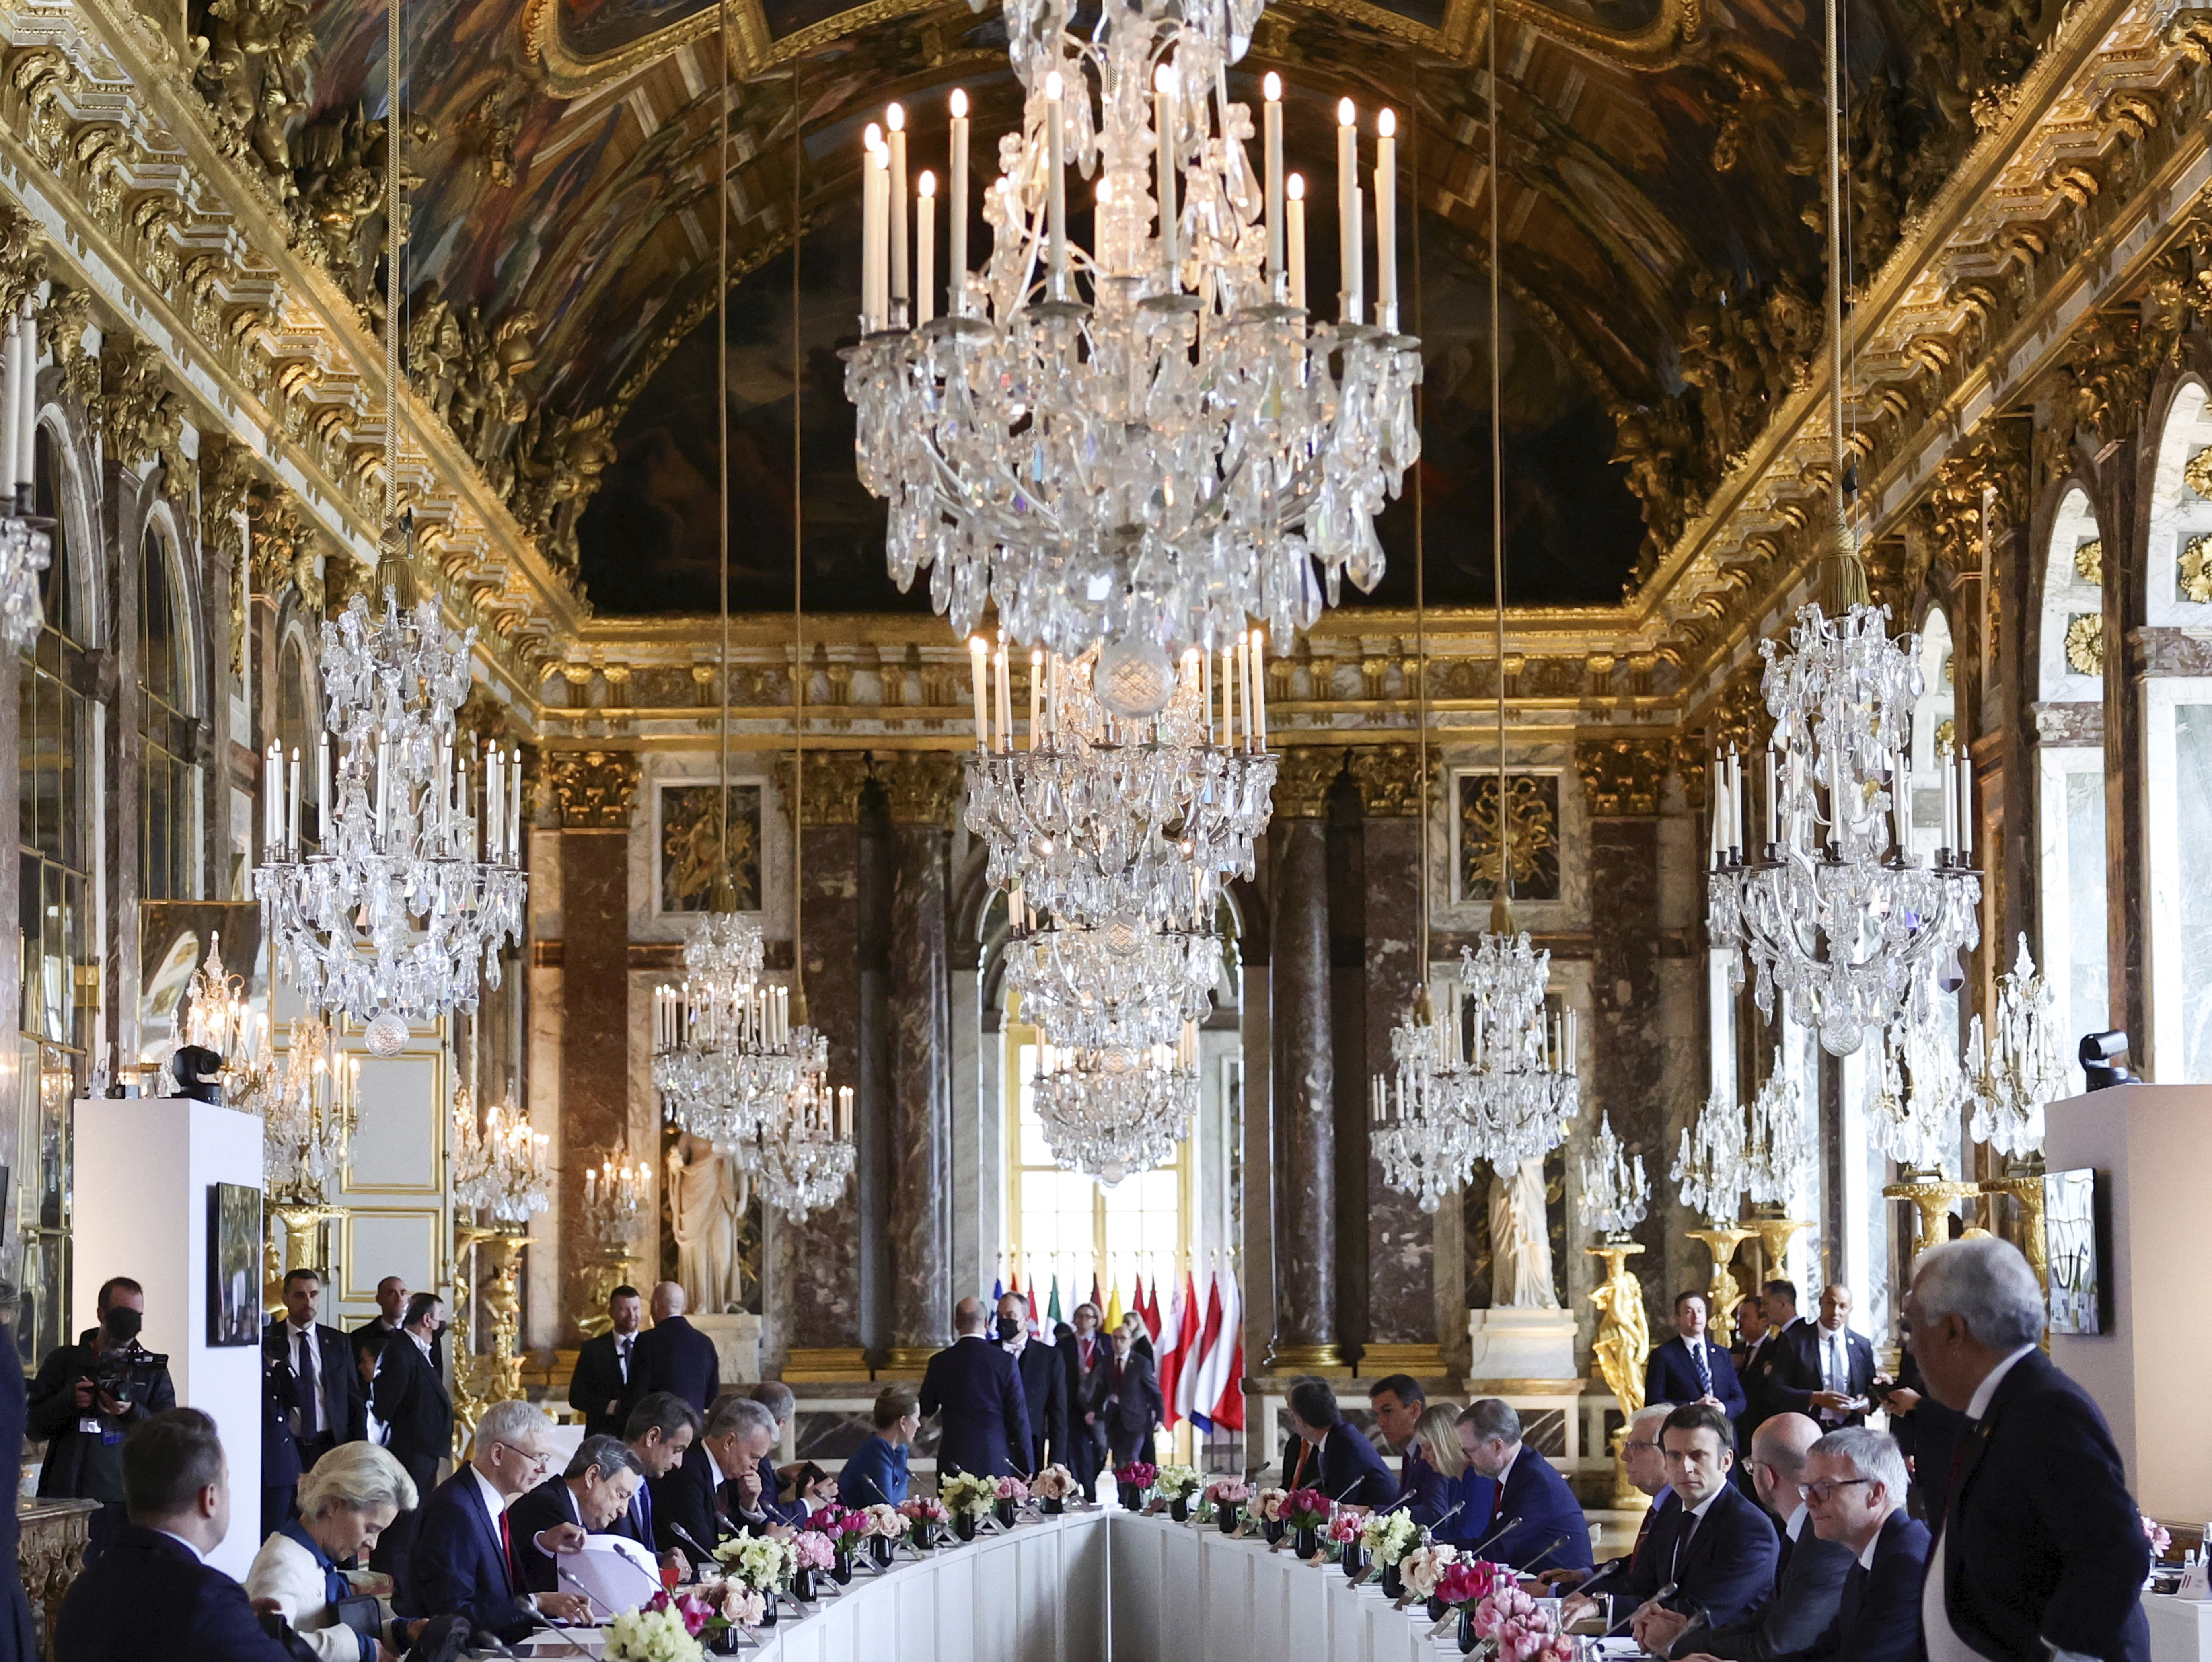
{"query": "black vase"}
[(1355, 1560), (1226, 1514), (964, 1525), (923, 1535), (768, 1602), (1005, 1511), (840, 1569), (728, 1642), (1394, 1585), (1305, 1542), (880, 1547), (1436, 1608), (1132, 1498), (1052, 1509), (1466, 1631), (1179, 1509), (1273, 1529), (802, 1585)]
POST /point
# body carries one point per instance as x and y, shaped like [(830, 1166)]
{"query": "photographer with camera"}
[(88, 1395)]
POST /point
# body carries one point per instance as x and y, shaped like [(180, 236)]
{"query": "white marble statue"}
[(1520, 1241), (706, 1195)]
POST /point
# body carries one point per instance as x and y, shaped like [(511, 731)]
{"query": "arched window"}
[(2178, 749), (2070, 725), (169, 818)]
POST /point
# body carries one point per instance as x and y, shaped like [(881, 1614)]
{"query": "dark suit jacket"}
[(773, 1507), (1476, 1498), (1044, 1393), (1535, 1493), (598, 1381), (674, 1356), (345, 1404), (280, 1455), (1424, 1494), (1347, 1468), (1802, 1609), (549, 1504), (1134, 1405), (457, 1563), (411, 1399), (638, 1524), (1087, 1392), (686, 1496), (149, 1592), (976, 1391), (1928, 1435), (2041, 1546), (1878, 1617), (1727, 1566), (1672, 1376), (1756, 1375), (1797, 1372)]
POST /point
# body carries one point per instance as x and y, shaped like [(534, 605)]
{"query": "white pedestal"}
[(1511, 1347), (143, 1169), (2152, 1145), (737, 1345)]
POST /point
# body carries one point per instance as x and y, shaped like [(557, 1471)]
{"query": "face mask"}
[(1010, 1328), (122, 1325)]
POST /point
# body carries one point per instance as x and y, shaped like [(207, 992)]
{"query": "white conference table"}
[(1095, 1587), (2180, 1630)]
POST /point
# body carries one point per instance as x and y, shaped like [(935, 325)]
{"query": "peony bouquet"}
[(1177, 1482), (1466, 1582), (1425, 1567), (1515, 1628), (841, 1527), (811, 1549), (887, 1521), (742, 1607), (1138, 1474), (1268, 1503), (657, 1632), (1229, 1491), (1012, 1488), (2161, 1538), (1306, 1508), (1055, 1482), (922, 1509), (759, 1561), (1388, 1536), (967, 1495), (1344, 1529)]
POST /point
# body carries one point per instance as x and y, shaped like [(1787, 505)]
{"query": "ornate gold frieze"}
[(1529, 827), (1304, 778), (1624, 775), (834, 783), (594, 789), (2085, 643), (2193, 570), (921, 787), (1388, 778)]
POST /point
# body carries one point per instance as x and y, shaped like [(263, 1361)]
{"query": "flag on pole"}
[(1209, 1363), (998, 1291), (1137, 1305), (1013, 1286), (1170, 1359), (1052, 1310), (1188, 1320), (1097, 1303), (1114, 1308), (1226, 1382), (1148, 1300)]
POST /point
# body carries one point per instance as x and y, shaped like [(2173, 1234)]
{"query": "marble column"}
[(595, 791), (1401, 1303), (815, 1265), (2127, 817), (922, 792), (1303, 1074)]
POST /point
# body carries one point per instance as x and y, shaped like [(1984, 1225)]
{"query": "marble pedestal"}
[(737, 1345), (1515, 1347)]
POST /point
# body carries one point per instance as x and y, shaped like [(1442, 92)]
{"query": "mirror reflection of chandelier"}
[(216, 1014), (1523, 1087), (499, 1164), (1124, 983), (309, 1121), (1709, 1169), (1119, 1109), (721, 1047), (1778, 1150), (1615, 1193), (26, 545), (1421, 1136), (1916, 1091), (1147, 441), (2015, 1069), (802, 1160)]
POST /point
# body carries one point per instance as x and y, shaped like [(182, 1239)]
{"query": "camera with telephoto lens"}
[(127, 1376)]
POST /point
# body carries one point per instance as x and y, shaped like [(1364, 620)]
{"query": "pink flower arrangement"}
[(814, 1551), (1268, 1503), (690, 1608), (1344, 1528), (1055, 1482), (1013, 1489), (1306, 1508), (883, 1520), (1519, 1629), (741, 1606), (1468, 1581), (1422, 1570), (1229, 1491), (1140, 1473), (2161, 1538), (923, 1509)]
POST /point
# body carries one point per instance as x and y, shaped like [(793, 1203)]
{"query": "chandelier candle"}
[(1385, 220), (925, 247), (979, 652), (1163, 152), (1271, 110), (1056, 161), (895, 119), (1347, 211), (956, 175), (875, 219), (1297, 188)]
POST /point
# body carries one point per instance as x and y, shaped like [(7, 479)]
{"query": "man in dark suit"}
[(332, 1408), (600, 1389), (662, 1428), (2041, 1550), (83, 1425), (410, 1398), (975, 1389), (1826, 1370), (466, 1547), (1928, 1434), (1424, 1494), (1715, 1548), (152, 1589), (1133, 1408), (1690, 1367), (594, 1494), (280, 1455), (1778, 1306), (1535, 1523), (1044, 1389), (368, 1339), (1089, 1376), (1855, 1486), (715, 1492), (788, 1495), (1809, 1581), (1343, 1464), (674, 1356)]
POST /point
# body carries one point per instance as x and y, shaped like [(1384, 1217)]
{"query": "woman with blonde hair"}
[(1464, 1498), (1431, 1464), (346, 1502)]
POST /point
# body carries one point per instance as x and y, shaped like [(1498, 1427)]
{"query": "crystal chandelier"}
[(722, 1048), (616, 1194), (309, 1123), (2016, 1070), (1834, 908), (803, 1157), (1144, 441), (1778, 1153), (1615, 1192), (1710, 1165), (1135, 795), (1523, 1087), (216, 1013), (26, 545), (1421, 1136), (499, 1164), (1122, 984), (1915, 1093), (1118, 1109)]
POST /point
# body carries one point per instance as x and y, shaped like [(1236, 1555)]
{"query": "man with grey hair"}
[(717, 1490), (2040, 1550), (806, 1493), (602, 1479), (1536, 1522), (464, 1549), (1645, 1467)]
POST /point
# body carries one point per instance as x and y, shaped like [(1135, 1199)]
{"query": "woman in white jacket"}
[(350, 1499)]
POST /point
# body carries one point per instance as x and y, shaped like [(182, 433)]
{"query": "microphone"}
[(1458, 1506), (1557, 1542), (1348, 1488), (688, 1540), (1700, 1618), (1658, 1598), (1603, 1574), (1511, 1523)]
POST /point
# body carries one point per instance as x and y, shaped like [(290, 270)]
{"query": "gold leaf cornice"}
[(1624, 775), (1304, 778), (594, 789), (921, 787), (1388, 777), (835, 781)]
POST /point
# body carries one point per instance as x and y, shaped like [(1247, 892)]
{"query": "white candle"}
[(326, 802), (383, 786), (925, 247), (1347, 209), (1260, 686), (1735, 801), (292, 823), (1358, 254), (895, 119), (1206, 691), (1773, 827), (11, 412), (1057, 182), (1270, 109), (1006, 713), (1037, 694), (514, 806), (1164, 116), (1950, 807), (978, 653), (272, 797), (958, 171), (1386, 219), (1717, 841), (1244, 683), (26, 420), (1296, 239), (876, 230)]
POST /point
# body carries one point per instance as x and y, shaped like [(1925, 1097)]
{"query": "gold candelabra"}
[(1931, 1196), (480, 1381), (2025, 1187), (616, 1195), (1622, 1350), (1721, 1293)]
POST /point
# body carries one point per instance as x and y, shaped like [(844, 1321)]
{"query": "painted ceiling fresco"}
[(1659, 191)]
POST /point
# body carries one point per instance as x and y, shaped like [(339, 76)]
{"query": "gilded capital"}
[(595, 789), (1303, 779), (1385, 774), (835, 781), (921, 787), (1623, 775)]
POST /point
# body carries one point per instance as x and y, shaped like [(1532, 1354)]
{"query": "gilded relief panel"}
[(691, 840), (1527, 835)]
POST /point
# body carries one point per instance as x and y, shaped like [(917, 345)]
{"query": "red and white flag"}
[(1174, 1360), (1221, 1375), (1190, 1349)]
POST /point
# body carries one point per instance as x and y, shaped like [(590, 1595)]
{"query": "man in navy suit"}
[(662, 1428), (1826, 1370), (152, 1590), (599, 1388), (1855, 1488), (716, 1490), (1132, 1409), (1690, 1367), (975, 1389), (1535, 1523), (333, 1408), (1345, 1465), (280, 1455), (464, 1554), (2040, 1550), (410, 1398), (1424, 1494), (1716, 1549), (1044, 1387), (674, 1356), (596, 1490), (807, 1494)]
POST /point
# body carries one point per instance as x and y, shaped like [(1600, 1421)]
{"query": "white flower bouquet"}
[(759, 1561)]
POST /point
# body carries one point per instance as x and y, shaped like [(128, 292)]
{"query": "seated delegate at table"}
[(876, 1473), (1534, 1521), (346, 1502)]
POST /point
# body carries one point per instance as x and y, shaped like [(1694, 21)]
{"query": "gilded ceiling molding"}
[(1304, 778), (1388, 774), (1625, 774), (835, 781), (921, 787), (1659, 45), (594, 789)]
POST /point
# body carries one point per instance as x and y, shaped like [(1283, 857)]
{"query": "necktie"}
[(1705, 1370), (1642, 1530), (311, 1405), (642, 1509), (622, 1357), (507, 1547)]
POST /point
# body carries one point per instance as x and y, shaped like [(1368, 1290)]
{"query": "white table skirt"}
[(2180, 1631)]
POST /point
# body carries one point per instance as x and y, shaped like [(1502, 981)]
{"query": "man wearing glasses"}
[(464, 1553), (1715, 1553)]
